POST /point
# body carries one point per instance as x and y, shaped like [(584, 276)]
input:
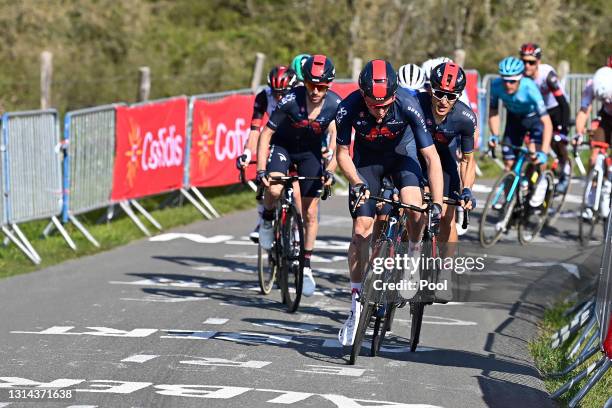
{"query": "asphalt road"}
[(177, 321)]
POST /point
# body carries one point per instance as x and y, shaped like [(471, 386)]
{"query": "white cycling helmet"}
[(602, 84), (431, 64), (411, 76)]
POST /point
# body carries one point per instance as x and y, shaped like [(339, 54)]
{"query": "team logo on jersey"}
[(341, 114), (287, 98), (382, 132), (440, 137), (282, 157)]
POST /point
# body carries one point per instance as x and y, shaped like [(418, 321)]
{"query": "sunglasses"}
[(319, 87), (530, 62), (450, 96), (510, 81), (378, 105)]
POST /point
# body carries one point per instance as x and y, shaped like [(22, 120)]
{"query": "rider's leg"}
[(278, 165)]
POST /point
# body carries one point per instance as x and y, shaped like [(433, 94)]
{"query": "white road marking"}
[(221, 362), (98, 331), (302, 328), (215, 320), (333, 370), (198, 238), (139, 358)]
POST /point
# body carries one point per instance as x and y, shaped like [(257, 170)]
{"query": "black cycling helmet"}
[(378, 80), (319, 69), (448, 77)]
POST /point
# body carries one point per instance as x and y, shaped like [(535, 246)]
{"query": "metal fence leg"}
[(342, 182), (83, 230), (25, 242), (48, 229), (596, 377), (568, 330), (565, 387), (252, 185), (64, 233), (9, 235), (196, 204), (589, 351), (608, 404), (582, 337), (125, 206), (146, 214), (204, 201)]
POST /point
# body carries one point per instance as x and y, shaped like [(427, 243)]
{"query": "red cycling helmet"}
[(531, 50), (281, 79), (448, 77), (378, 80)]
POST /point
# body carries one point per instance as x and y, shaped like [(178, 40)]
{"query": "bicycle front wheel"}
[(534, 218), (586, 226), (416, 311), (558, 199), (266, 270), (498, 209), (292, 254)]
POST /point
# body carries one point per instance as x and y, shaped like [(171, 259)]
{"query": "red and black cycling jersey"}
[(459, 125), (292, 128), (264, 103), (403, 121)]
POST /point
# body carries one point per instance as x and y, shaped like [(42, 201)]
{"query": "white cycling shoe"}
[(537, 199), (346, 335), (309, 285), (266, 235)]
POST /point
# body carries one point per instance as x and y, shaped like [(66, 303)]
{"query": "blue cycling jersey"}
[(526, 101)]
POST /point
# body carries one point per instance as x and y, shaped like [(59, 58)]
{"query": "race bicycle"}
[(380, 305), (508, 201)]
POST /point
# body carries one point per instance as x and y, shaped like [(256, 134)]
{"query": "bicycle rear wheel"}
[(586, 226), (416, 311), (292, 258), (266, 270), (534, 218), (498, 209), (364, 321), (558, 199), (384, 325)]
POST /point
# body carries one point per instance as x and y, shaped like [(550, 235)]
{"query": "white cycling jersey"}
[(588, 95), (549, 85)]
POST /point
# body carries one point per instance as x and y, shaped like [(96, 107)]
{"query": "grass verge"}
[(549, 361), (119, 231)]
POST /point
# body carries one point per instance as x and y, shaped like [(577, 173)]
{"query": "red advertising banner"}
[(150, 149), (471, 87), (344, 88), (218, 134)]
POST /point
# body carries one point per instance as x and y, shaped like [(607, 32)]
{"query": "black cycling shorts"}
[(308, 165), (450, 172), (516, 129)]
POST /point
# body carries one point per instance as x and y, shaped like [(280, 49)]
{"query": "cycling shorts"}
[(450, 172), (516, 129), (308, 165)]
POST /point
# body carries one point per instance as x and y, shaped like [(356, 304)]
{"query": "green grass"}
[(119, 231), (548, 361)]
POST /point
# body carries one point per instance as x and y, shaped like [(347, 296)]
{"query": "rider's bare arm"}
[(494, 121), (345, 162), (581, 119), (547, 135), (434, 173), (331, 131), (262, 147)]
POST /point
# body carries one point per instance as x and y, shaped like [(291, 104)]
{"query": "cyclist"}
[(451, 122), (293, 135), (389, 127), (556, 102), (297, 64), (600, 87), (411, 77), (281, 80), (526, 113)]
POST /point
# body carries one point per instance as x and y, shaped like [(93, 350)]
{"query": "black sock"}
[(307, 256), (268, 215)]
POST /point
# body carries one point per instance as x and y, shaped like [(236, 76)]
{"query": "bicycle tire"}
[(386, 327), (526, 234), (586, 228), (416, 310), (364, 322), (292, 263), (558, 200), (266, 270), (498, 194)]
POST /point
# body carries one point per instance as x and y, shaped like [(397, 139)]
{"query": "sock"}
[(355, 288), (268, 215), (567, 169), (307, 256)]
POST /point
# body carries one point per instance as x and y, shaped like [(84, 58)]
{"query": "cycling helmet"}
[(609, 61), (448, 77), (378, 80), (431, 63), (281, 78), (298, 63), (530, 50), (602, 84), (319, 69), (511, 66), (411, 76)]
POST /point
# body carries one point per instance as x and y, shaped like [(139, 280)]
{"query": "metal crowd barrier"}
[(32, 172), (193, 194), (89, 142)]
